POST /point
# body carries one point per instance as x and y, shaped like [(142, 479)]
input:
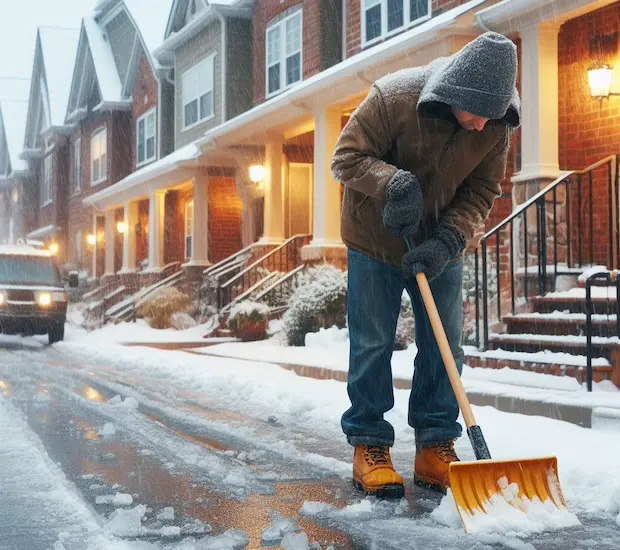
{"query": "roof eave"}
[(174, 41), (120, 105)]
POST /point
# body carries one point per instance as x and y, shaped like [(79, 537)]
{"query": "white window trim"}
[(188, 205), (384, 32), (93, 183), (44, 184), (210, 58), (282, 61), (77, 183), (147, 160)]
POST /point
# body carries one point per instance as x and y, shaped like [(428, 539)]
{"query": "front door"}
[(299, 200)]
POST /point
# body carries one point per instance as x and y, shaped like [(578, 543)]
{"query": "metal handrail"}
[(229, 259)]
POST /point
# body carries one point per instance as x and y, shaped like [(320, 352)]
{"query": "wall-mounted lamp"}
[(91, 239), (121, 227), (53, 248), (600, 78), (257, 173), (15, 195)]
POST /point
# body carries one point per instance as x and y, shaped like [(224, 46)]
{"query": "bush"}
[(248, 321), (159, 308), (318, 302), (405, 326)]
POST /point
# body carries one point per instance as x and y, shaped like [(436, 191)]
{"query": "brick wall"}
[(264, 12), (145, 94), (354, 21), (587, 131), (225, 208)]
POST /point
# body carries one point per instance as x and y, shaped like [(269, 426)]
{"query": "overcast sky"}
[(19, 20)]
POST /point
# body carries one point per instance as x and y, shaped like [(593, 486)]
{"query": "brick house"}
[(46, 140), (118, 107), (13, 170)]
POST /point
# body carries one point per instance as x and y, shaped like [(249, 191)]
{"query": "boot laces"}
[(446, 451), (377, 455)]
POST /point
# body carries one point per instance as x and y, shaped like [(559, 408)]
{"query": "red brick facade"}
[(145, 94), (354, 21), (225, 209), (588, 131), (264, 13)]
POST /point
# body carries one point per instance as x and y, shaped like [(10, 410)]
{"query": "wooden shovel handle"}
[(444, 349)]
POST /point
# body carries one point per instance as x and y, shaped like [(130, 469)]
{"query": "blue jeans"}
[(373, 305)]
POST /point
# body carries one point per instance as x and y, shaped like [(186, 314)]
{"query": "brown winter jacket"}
[(400, 124)]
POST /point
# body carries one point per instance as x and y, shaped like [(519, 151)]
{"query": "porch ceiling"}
[(343, 85)]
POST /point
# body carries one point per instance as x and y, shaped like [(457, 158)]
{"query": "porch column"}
[(157, 212), (110, 228), (326, 243), (274, 197), (129, 237), (95, 248), (200, 237), (539, 101)]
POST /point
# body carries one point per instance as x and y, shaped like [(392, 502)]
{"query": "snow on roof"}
[(22, 250), (103, 60), (164, 165), (16, 89), (14, 114), (59, 47), (151, 19)]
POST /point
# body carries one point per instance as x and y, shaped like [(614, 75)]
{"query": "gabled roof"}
[(59, 46), (13, 115)]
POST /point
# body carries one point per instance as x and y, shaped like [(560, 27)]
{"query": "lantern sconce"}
[(600, 78), (91, 239), (121, 227), (257, 174)]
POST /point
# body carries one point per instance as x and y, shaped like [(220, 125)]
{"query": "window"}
[(145, 133), (197, 92), (46, 184), (284, 53), (383, 17), (189, 228), (99, 157), (77, 165)]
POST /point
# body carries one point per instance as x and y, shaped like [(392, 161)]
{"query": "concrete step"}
[(559, 323), (575, 302)]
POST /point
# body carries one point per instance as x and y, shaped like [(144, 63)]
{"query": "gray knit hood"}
[(479, 79)]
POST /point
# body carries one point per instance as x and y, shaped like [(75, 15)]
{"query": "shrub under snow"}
[(159, 308), (318, 302), (248, 321)]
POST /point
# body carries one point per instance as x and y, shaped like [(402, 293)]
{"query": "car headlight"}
[(44, 299)]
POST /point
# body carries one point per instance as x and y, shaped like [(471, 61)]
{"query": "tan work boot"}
[(374, 473), (432, 464)]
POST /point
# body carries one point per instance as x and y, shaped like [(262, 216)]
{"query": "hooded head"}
[(479, 79)]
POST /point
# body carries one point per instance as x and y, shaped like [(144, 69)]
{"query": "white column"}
[(539, 103), (200, 237), (274, 203), (326, 200), (157, 216), (95, 247), (110, 228), (129, 237)]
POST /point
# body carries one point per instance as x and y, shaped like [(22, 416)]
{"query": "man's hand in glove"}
[(404, 204), (432, 256)]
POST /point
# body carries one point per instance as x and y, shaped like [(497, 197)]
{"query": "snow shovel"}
[(487, 485)]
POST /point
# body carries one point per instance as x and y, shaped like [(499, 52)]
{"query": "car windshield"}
[(31, 270)]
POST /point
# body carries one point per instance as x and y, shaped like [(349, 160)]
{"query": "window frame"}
[(194, 71), (281, 24), (47, 195), (77, 166), (99, 131), (384, 20), (143, 118), (189, 229)]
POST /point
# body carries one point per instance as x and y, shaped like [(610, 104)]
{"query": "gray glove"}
[(404, 204), (432, 256)]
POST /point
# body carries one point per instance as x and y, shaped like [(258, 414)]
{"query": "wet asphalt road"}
[(175, 451)]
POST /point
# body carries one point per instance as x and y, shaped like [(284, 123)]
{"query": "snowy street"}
[(128, 447)]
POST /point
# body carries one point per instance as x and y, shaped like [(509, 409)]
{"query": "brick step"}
[(532, 343), (559, 323), (574, 366), (574, 303)]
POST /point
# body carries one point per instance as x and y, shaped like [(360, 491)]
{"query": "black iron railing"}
[(611, 278), (564, 208)]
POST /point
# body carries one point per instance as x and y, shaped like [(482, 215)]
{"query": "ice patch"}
[(359, 510), (116, 400), (275, 532), (233, 539), (170, 531), (235, 478), (119, 499), (295, 541), (196, 527), (126, 523), (108, 429), (167, 514), (88, 476), (312, 508)]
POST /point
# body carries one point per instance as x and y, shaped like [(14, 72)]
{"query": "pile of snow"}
[(295, 541), (126, 523), (167, 514), (108, 429), (329, 338), (129, 402), (119, 499), (595, 270), (277, 530), (248, 307)]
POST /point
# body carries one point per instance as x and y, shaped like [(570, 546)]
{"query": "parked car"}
[(33, 299)]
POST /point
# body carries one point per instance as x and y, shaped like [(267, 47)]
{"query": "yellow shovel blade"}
[(477, 485)]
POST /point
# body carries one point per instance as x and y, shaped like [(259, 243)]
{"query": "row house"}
[(13, 170)]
